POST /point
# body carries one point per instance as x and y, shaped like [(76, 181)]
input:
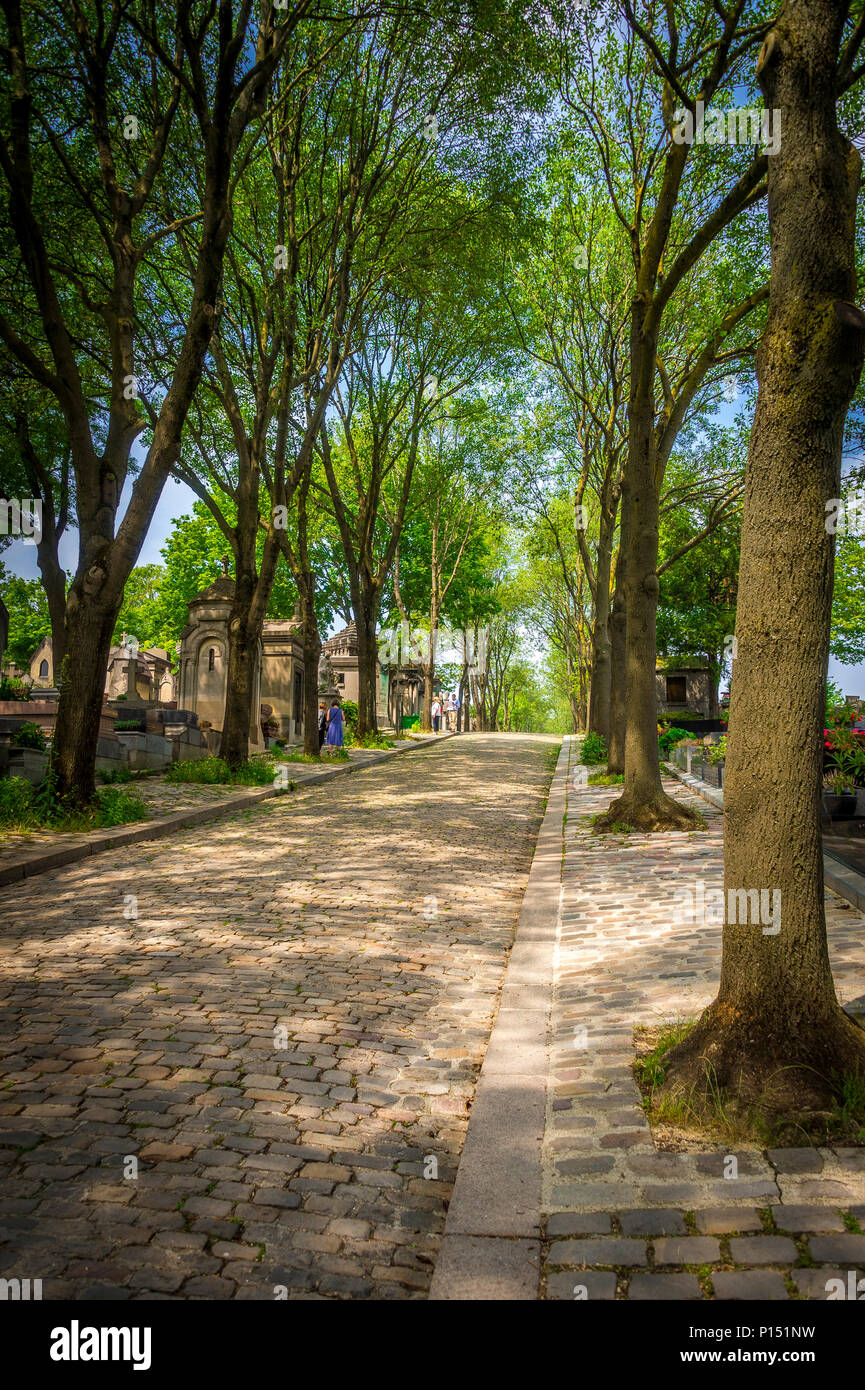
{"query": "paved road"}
[(238, 1063)]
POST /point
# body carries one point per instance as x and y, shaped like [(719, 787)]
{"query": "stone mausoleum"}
[(203, 669), (684, 690)]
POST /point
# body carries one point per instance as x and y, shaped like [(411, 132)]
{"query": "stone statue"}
[(327, 686)]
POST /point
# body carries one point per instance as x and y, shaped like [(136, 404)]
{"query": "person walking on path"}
[(455, 705), (322, 723), (334, 738), (436, 714)]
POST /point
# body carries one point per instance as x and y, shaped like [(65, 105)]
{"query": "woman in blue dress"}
[(334, 726)]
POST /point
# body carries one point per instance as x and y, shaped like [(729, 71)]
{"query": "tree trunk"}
[(365, 617), (252, 590), (643, 804), (311, 656), (89, 629), (244, 635), (463, 711), (575, 711), (600, 691), (428, 668), (54, 584), (776, 1034), (430, 664), (618, 626)]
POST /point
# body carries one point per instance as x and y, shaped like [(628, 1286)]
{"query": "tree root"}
[(661, 812), (758, 1062)]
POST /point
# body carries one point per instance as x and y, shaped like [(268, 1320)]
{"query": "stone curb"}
[(840, 877), (714, 795), (82, 846), (491, 1245)]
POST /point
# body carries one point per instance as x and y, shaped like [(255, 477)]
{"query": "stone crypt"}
[(203, 666)]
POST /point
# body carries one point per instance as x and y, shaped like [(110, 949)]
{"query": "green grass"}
[(213, 771), (279, 755), (710, 1111), (115, 774), (368, 741), (606, 779), (25, 808), (651, 1070), (849, 1109)]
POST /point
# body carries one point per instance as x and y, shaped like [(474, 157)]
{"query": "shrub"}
[(23, 807), (349, 711), (11, 688), (718, 751), (845, 755), (29, 735), (668, 737), (837, 709), (48, 808), (373, 741), (16, 804), (594, 749)]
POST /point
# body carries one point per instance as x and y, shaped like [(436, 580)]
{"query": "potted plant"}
[(839, 799), (844, 773)]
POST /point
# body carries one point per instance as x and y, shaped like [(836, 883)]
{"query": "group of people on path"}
[(331, 722), (331, 725), (444, 712)]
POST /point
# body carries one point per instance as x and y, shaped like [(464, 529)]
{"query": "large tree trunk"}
[(776, 1033), (643, 804), (89, 628), (244, 635)]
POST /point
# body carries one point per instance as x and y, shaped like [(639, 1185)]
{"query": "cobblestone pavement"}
[(278, 1020), (167, 798), (626, 1219)]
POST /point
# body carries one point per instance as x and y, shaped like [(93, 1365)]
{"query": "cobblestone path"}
[(238, 1063), (627, 1219), (168, 798)]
